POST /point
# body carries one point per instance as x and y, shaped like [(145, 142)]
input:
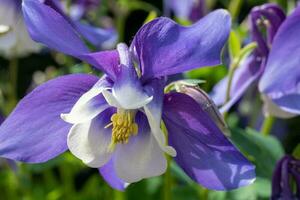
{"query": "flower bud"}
[(206, 104)]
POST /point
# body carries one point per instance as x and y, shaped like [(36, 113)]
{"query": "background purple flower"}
[(258, 66), (286, 171)]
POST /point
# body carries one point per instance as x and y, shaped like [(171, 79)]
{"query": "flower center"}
[(123, 126)]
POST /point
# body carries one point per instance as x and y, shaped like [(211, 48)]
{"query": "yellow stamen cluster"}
[(123, 126)]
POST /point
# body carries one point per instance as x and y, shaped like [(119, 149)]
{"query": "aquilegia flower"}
[(114, 123), (286, 171), (274, 63), (14, 39), (191, 10)]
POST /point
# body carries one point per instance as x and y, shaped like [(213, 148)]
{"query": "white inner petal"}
[(157, 133), (89, 142), (87, 107), (140, 158), (127, 98)]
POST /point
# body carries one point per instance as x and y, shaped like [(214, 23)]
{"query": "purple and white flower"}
[(274, 64), (114, 123)]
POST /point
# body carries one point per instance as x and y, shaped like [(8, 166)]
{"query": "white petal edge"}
[(158, 134), (83, 110), (271, 109)]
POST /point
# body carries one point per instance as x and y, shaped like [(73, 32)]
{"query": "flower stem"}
[(229, 83), (118, 195), (167, 182), (267, 125), (232, 69)]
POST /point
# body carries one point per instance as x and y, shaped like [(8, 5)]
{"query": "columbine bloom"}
[(114, 123), (274, 63), (287, 169), (191, 10), (14, 39)]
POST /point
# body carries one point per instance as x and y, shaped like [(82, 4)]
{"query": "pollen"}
[(123, 126)]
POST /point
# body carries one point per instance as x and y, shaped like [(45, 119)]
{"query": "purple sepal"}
[(203, 151), (109, 175), (34, 131), (164, 48), (47, 24)]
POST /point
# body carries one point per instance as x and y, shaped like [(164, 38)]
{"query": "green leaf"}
[(234, 44), (263, 151), (296, 152)]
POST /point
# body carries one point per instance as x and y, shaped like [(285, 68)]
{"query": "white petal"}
[(89, 141), (140, 158), (88, 106), (126, 99), (111, 100), (154, 121), (131, 98), (271, 109)]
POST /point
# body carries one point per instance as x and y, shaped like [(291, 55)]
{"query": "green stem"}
[(167, 182), (121, 27), (234, 8), (234, 65), (13, 78), (267, 125), (118, 195), (229, 83)]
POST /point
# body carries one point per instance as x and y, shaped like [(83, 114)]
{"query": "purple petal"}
[(280, 81), (99, 37), (109, 174), (127, 89), (244, 76), (164, 47), (49, 26), (108, 61), (203, 152), (275, 16), (34, 131)]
